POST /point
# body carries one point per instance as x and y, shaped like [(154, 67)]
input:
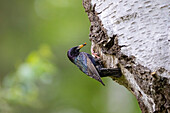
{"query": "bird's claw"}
[(96, 55), (93, 53)]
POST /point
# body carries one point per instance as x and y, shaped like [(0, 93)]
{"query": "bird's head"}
[(74, 51)]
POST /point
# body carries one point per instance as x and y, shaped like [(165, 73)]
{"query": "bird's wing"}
[(92, 72)]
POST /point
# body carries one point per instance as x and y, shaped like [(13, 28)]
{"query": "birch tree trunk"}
[(134, 35)]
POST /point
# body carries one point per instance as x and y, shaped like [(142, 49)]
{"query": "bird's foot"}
[(93, 53), (96, 55)]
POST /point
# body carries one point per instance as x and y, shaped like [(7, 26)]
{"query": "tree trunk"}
[(135, 36)]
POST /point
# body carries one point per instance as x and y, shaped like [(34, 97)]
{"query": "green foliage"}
[(21, 86), (35, 73)]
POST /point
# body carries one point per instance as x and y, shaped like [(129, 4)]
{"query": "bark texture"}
[(134, 36)]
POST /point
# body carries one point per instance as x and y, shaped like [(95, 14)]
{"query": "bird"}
[(88, 65)]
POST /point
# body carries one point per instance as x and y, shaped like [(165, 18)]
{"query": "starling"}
[(89, 65)]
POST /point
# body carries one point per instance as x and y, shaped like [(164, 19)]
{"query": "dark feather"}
[(86, 65)]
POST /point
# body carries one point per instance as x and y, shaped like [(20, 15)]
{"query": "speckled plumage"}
[(85, 62)]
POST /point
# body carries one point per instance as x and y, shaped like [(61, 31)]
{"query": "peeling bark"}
[(134, 36)]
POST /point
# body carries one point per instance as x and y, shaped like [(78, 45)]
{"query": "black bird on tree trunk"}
[(89, 65)]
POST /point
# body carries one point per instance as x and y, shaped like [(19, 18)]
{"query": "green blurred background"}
[(35, 73)]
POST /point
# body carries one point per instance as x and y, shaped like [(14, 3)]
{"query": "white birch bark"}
[(135, 36)]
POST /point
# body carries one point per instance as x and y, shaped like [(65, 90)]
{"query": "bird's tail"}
[(104, 72)]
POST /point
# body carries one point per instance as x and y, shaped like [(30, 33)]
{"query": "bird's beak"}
[(82, 45)]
